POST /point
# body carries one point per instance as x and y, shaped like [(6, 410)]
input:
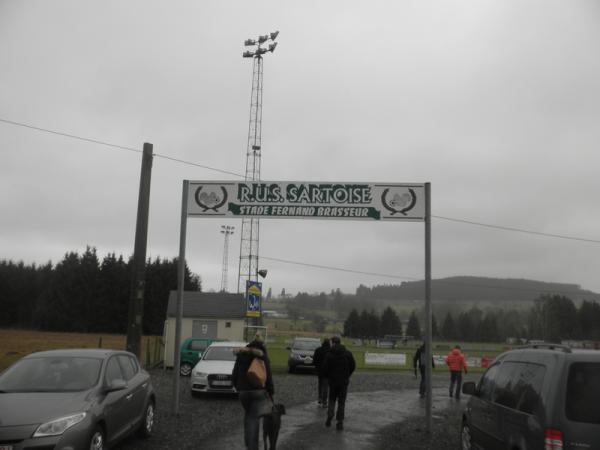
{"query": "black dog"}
[(271, 426)]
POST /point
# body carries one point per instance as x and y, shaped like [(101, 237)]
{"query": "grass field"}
[(14, 344)]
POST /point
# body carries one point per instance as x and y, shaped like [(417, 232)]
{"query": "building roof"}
[(216, 305)]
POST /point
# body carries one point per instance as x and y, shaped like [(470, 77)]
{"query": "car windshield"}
[(583, 393), (306, 345), (219, 354), (51, 374)]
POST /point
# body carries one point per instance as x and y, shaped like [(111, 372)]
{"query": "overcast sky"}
[(495, 102)]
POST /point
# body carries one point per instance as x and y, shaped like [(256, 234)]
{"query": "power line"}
[(72, 136), (339, 269), (122, 147), (519, 230), (198, 165), (450, 219), (439, 281)]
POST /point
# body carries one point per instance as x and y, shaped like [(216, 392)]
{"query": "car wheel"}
[(97, 439), (465, 437), (185, 369), (147, 424)]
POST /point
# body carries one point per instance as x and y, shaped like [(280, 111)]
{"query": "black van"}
[(540, 397)]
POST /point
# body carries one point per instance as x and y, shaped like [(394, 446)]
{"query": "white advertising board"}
[(385, 359), (307, 200)]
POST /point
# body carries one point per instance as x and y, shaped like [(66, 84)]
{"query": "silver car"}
[(74, 399)]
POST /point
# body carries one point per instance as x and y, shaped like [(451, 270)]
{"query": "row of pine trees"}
[(552, 318), (83, 294)]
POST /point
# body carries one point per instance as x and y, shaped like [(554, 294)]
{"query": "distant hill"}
[(470, 289)]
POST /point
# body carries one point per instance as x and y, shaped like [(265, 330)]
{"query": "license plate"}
[(214, 383), (6, 447), (308, 360)]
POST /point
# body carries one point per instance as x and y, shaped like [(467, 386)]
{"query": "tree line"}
[(469, 289), (83, 294), (551, 318)]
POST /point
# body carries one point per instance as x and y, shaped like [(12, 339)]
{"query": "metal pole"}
[(428, 343), (138, 274), (180, 280)]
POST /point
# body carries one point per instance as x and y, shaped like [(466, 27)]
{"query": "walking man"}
[(318, 359), (419, 360), (337, 367), (456, 363)]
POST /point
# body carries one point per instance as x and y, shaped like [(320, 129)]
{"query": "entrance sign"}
[(408, 202), (307, 200), (253, 294)]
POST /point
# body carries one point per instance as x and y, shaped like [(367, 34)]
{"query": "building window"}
[(227, 324)]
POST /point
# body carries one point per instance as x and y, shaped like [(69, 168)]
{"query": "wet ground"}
[(367, 413), (382, 409)]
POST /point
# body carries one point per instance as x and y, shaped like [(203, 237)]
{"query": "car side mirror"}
[(469, 388), (288, 348), (116, 385)]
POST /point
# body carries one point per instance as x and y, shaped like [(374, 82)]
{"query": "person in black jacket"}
[(337, 367), (318, 358), (420, 360), (255, 400)]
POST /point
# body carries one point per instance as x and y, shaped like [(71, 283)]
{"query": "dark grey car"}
[(74, 399), (544, 397), (301, 354)]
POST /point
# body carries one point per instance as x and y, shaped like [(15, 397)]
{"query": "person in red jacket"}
[(456, 363)]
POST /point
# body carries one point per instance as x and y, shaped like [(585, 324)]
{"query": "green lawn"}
[(14, 344), (278, 352)]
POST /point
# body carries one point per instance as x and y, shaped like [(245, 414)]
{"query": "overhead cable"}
[(450, 219)]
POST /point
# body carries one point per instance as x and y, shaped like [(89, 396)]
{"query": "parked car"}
[(542, 397), (74, 399), (213, 371), (301, 353), (190, 353)]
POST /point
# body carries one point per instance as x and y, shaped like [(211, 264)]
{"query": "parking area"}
[(377, 403)]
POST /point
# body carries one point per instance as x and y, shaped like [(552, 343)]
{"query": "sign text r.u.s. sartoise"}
[(315, 200)]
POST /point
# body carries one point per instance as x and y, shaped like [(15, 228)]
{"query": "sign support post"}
[(180, 283), (428, 313)]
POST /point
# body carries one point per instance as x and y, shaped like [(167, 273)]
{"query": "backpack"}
[(257, 373)]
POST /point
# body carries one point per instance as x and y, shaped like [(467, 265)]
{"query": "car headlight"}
[(58, 426), (200, 374)]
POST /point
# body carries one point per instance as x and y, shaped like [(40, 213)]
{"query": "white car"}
[(213, 372)]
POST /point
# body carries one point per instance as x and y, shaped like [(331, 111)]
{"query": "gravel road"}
[(383, 409)]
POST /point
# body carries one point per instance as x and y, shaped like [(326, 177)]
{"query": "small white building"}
[(205, 315)]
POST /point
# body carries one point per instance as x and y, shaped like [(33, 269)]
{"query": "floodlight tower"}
[(249, 239), (227, 231)]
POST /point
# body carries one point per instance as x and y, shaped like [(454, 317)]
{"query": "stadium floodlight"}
[(273, 35), (248, 54), (249, 42), (261, 51), (263, 39), (272, 47)]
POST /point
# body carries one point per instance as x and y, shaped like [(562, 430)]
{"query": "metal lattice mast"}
[(227, 231), (249, 239)]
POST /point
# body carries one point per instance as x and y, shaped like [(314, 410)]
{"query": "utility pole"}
[(227, 231), (249, 239), (138, 273)]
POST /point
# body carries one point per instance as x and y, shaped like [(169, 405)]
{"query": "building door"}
[(204, 329)]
